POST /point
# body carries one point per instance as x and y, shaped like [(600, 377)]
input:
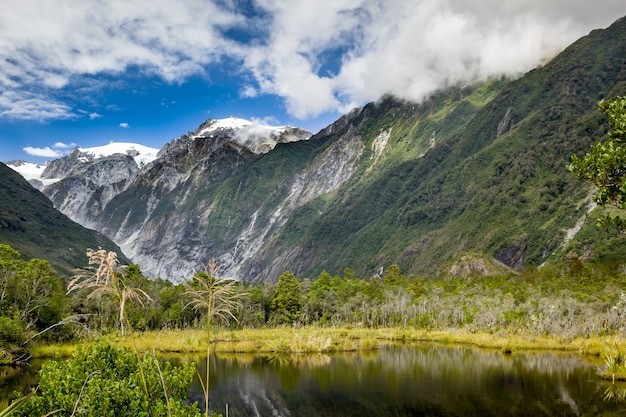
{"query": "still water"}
[(423, 380)]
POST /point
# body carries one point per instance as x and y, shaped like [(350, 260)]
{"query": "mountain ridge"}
[(477, 169)]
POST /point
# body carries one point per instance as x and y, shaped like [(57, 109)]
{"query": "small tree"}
[(105, 276), (393, 277), (285, 306), (605, 164)]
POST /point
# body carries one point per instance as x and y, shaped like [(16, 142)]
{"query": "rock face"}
[(213, 193), (160, 211), (86, 189)]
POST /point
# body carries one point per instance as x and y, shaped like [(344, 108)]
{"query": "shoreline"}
[(312, 340), (328, 340)]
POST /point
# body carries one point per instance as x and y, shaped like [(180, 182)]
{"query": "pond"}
[(424, 380)]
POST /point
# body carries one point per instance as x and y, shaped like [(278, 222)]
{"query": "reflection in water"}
[(406, 381), (17, 379), (423, 380)]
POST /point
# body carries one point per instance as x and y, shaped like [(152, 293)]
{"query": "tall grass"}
[(328, 340)]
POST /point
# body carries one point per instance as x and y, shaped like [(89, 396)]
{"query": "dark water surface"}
[(409, 381), (424, 380)]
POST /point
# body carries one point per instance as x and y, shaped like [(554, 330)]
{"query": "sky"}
[(87, 72)]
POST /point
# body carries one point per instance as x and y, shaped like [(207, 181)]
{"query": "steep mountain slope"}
[(157, 211), (30, 224), (498, 185), (479, 169)]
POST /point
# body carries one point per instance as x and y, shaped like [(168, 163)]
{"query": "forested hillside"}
[(30, 224), (492, 178)]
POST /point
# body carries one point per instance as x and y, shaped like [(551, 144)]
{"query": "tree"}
[(9, 263), (39, 295), (255, 308), (605, 164), (32, 301), (285, 306), (393, 277), (105, 277), (323, 299)]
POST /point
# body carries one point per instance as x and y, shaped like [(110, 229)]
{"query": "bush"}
[(102, 380)]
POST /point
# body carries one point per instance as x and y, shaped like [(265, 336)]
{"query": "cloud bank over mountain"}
[(315, 56)]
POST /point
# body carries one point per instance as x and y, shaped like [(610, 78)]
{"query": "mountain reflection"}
[(424, 380)]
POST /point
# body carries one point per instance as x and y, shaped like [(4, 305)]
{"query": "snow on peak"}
[(34, 172), (258, 137), (28, 170), (231, 122), (142, 154)]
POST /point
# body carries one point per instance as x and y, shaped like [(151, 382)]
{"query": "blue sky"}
[(146, 71)]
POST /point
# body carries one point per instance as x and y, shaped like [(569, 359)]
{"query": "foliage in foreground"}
[(102, 380), (31, 303)]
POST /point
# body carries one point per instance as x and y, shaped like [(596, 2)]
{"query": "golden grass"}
[(60, 350), (326, 340)]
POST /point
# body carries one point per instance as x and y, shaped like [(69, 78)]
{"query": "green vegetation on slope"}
[(494, 178), (29, 223)]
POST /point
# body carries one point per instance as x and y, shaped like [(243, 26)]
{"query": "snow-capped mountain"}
[(141, 154), (44, 175), (93, 185), (256, 137)]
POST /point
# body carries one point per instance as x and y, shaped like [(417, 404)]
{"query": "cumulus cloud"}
[(317, 56), (57, 150), (124, 125), (409, 48), (46, 152), (93, 36)]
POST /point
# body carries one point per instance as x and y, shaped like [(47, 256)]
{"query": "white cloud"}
[(410, 47), (124, 125), (93, 36), (406, 47), (46, 152), (265, 121), (94, 116), (248, 91), (26, 106), (61, 145)]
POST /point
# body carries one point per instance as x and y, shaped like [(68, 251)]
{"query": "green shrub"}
[(102, 380)]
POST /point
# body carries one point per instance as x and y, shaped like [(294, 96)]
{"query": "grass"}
[(327, 340)]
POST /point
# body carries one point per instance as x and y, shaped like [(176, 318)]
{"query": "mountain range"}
[(472, 180)]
